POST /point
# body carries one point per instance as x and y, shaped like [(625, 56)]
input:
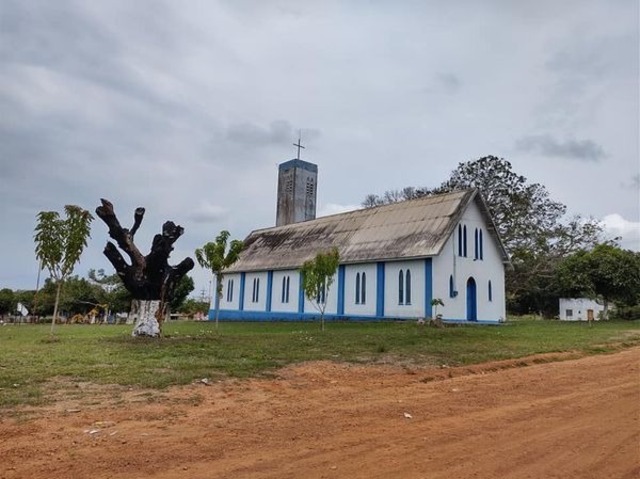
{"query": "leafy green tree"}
[(192, 307), (216, 256), (7, 301), (112, 291), (60, 243), (606, 272), (317, 277), (182, 291)]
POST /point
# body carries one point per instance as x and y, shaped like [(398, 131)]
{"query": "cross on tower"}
[(299, 146)]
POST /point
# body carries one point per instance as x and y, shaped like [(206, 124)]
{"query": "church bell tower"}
[(297, 190)]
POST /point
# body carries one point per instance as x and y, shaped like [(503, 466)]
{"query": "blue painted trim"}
[(269, 289), (217, 301), (341, 286), (380, 289), (300, 296), (428, 287), (241, 297), (235, 315)]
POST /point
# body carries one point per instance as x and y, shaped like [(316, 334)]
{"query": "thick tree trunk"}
[(147, 323), (150, 279)]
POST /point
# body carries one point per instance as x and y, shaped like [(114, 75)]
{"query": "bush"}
[(628, 313)]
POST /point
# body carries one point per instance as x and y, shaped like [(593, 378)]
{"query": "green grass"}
[(189, 350)]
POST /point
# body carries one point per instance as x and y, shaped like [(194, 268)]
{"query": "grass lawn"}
[(192, 350)]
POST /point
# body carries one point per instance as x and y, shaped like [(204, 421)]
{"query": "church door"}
[(472, 304)]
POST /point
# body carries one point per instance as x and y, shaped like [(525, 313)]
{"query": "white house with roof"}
[(394, 259), (580, 309)]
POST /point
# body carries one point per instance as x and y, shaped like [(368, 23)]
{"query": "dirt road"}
[(577, 418)]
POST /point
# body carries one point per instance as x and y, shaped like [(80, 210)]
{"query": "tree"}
[(317, 277), (7, 301), (529, 222), (112, 291), (606, 272), (150, 279), (59, 244), (216, 256), (182, 291)]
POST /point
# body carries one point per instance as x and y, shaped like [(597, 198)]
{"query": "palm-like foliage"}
[(216, 256), (60, 243)]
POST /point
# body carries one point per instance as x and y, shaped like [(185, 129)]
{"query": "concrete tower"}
[(297, 192)]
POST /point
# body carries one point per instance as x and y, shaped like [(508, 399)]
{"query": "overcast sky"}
[(186, 108)]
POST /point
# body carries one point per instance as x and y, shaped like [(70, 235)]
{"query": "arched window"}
[(253, 291), (464, 241), (229, 291), (451, 287), (363, 291), (286, 298), (321, 296), (481, 246), (476, 243), (284, 290), (401, 287), (407, 284), (459, 240), (490, 291), (357, 288), (256, 290)]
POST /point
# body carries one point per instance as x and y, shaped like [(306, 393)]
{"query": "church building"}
[(394, 259)]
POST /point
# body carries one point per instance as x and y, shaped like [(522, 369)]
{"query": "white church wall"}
[(393, 307), (368, 308), (255, 302), (229, 301), (489, 268), (331, 300), (277, 304)]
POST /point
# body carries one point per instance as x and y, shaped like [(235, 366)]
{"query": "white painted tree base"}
[(146, 323)]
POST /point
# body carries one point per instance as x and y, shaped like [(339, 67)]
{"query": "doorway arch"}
[(472, 300)]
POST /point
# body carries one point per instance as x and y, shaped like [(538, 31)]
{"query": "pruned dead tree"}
[(150, 279)]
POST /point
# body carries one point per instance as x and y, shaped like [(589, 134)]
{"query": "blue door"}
[(472, 305)]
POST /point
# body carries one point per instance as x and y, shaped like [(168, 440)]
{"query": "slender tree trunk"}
[(605, 311), (55, 307), (218, 297), (147, 323)]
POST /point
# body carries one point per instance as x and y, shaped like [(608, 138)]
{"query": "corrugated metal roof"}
[(409, 229)]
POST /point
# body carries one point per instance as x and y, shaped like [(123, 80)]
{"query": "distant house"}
[(394, 260), (580, 309)]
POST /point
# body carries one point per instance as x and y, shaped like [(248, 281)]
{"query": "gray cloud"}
[(252, 135), (546, 145)]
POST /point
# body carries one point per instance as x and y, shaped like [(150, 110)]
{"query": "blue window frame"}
[(459, 240), (363, 290), (255, 297), (286, 298), (229, 291), (321, 296), (357, 288), (401, 287), (407, 286), (476, 245), (481, 245), (464, 241)]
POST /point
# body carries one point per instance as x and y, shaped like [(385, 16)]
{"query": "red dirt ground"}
[(575, 418)]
